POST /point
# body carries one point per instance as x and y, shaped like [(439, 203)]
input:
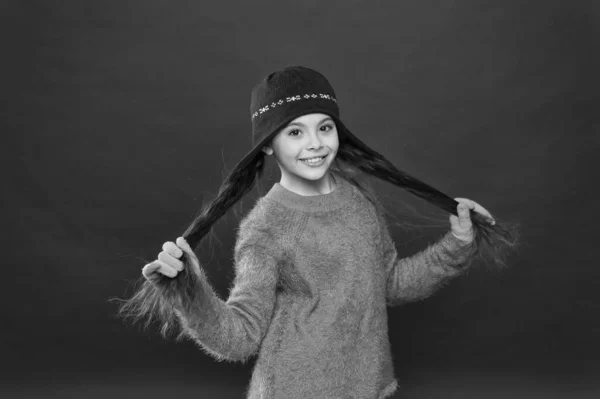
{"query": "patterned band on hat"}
[(291, 99)]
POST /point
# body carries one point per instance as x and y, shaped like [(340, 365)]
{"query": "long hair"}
[(154, 301)]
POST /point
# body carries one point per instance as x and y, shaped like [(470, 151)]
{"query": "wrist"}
[(464, 239)]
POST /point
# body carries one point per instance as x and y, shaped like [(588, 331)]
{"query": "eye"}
[(327, 128), (292, 131)]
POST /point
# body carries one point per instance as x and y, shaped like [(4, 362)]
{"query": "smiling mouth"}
[(315, 158), (314, 161)]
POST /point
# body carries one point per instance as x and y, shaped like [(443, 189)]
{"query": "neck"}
[(307, 188)]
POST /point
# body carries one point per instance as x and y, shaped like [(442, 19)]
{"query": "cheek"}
[(288, 154), (285, 150), (334, 143)]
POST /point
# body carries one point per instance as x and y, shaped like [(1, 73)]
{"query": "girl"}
[(315, 266)]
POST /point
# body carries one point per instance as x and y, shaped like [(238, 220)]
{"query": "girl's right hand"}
[(169, 261)]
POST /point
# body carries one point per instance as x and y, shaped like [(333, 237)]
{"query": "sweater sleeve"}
[(416, 277), (232, 330)]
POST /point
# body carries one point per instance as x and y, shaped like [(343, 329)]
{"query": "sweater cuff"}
[(460, 253)]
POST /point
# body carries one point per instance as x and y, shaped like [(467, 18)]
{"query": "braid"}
[(492, 242), (152, 301)]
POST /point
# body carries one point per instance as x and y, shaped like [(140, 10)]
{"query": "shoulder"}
[(267, 226)]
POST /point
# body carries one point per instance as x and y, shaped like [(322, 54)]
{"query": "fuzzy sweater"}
[(314, 275)]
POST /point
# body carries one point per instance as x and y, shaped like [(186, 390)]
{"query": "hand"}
[(462, 227), (169, 263)]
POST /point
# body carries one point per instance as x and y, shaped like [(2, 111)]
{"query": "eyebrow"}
[(302, 124)]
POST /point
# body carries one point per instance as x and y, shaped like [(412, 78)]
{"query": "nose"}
[(315, 142)]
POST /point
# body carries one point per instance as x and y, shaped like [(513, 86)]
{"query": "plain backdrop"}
[(120, 119)]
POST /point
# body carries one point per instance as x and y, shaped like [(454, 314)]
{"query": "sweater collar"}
[(312, 203)]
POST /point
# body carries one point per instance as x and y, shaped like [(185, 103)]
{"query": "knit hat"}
[(285, 95)]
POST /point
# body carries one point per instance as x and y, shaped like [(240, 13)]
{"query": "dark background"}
[(119, 118)]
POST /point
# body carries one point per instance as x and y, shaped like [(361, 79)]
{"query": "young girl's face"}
[(308, 136)]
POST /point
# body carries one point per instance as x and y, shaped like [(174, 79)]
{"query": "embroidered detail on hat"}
[(291, 99)]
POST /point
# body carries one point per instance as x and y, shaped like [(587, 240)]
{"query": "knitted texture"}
[(314, 275)]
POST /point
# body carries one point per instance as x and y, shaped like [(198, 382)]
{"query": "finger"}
[(166, 269), (150, 269), (183, 244), (172, 249), (170, 260), (455, 223), (474, 206), (477, 208), (468, 202), (464, 215), (484, 212)]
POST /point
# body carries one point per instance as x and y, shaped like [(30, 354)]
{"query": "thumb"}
[(185, 247), (464, 215), (183, 244)]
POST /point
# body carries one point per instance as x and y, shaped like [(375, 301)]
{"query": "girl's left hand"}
[(462, 227)]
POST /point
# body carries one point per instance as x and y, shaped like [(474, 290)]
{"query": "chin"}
[(302, 172), (316, 175)]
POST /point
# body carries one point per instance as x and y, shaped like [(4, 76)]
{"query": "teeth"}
[(313, 160)]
